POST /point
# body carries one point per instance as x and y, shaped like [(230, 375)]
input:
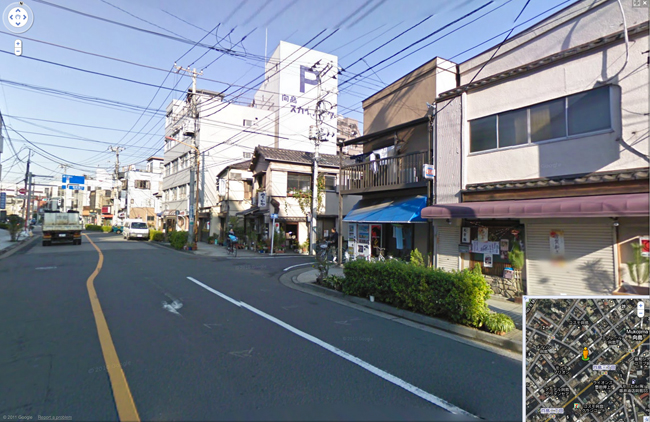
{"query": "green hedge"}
[(459, 296), (178, 239), (107, 229), (93, 228), (156, 236)]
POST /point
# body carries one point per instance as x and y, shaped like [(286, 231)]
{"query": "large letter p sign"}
[(304, 80)]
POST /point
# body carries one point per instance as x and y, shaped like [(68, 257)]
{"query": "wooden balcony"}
[(401, 172)]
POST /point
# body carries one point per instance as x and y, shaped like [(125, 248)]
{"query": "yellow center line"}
[(122, 394), (591, 383)]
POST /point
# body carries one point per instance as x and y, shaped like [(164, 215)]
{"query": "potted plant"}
[(639, 271), (517, 259)]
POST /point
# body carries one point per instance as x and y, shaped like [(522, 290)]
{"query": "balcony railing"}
[(404, 171)]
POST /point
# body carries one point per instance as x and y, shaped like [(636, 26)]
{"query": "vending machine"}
[(352, 240), (363, 240)]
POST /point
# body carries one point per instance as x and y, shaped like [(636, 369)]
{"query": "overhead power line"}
[(415, 43), (183, 40)]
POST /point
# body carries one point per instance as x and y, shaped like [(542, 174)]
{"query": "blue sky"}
[(132, 115)]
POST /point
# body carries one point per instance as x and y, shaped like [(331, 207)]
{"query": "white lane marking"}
[(172, 307), (365, 365), (297, 265), (346, 322), (243, 353), (45, 268)]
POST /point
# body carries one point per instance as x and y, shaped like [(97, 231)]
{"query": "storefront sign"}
[(261, 199), (463, 248), (557, 243), (645, 246), (488, 248), (428, 172), (466, 236), (482, 234)]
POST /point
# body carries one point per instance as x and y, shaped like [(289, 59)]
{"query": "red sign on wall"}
[(105, 210)]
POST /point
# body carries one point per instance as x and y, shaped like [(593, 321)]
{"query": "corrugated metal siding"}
[(448, 126), (447, 239), (590, 256)]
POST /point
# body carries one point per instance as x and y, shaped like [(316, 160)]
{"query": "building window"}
[(150, 218), (175, 166), (578, 114), (330, 182), (547, 121), (248, 189), (483, 134), (298, 182), (142, 184), (248, 154), (248, 123)]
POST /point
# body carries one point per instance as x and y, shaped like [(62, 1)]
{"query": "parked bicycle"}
[(380, 255)]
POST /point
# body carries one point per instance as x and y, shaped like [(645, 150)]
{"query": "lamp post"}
[(193, 233)]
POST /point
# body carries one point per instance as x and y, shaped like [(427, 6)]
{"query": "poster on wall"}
[(556, 239), (466, 236), (482, 234), (645, 246), (487, 261), (490, 248)]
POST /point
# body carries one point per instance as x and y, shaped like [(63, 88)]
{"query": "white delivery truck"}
[(61, 226)]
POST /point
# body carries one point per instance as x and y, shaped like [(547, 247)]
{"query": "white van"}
[(135, 230)]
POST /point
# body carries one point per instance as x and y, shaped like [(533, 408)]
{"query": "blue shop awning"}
[(398, 210)]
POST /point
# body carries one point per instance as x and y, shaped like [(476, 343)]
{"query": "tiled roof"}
[(297, 157), (579, 179), (244, 165)]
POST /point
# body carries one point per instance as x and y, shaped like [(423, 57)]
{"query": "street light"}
[(196, 182)]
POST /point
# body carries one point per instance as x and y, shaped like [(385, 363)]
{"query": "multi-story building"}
[(544, 144), (279, 176), (234, 187), (389, 174), (139, 186), (228, 130)]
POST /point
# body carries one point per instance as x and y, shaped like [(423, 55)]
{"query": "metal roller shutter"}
[(589, 251), (447, 247)]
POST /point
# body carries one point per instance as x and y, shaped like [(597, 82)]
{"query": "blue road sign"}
[(274, 216), (3, 200), (74, 180)]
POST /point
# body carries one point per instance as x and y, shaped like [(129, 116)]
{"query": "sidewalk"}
[(513, 310), (5, 239), (212, 250)]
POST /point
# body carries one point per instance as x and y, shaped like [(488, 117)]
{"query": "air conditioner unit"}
[(188, 128)]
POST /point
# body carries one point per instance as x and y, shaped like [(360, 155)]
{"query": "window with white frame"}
[(248, 154), (248, 123), (578, 114), (330, 182), (142, 184)]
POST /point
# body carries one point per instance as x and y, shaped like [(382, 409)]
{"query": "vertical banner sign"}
[(557, 243), (261, 199), (3, 200), (466, 236)]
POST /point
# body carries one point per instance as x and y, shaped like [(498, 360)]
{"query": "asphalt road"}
[(201, 338)]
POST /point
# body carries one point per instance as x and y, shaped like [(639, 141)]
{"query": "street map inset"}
[(586, 359)]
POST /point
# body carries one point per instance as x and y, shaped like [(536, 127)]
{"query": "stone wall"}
[(502, 286)]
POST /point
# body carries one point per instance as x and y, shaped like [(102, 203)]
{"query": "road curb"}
[(288, 280), (18, 246)]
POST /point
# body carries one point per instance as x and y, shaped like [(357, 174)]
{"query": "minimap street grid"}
[(586, 359)]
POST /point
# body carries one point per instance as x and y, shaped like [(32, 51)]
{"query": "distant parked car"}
[(117, 229), (136, 230)]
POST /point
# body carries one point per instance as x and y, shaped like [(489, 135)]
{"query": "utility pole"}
[(116, 179), (339, 247), (29, 157), (192, 233), (317, 137)]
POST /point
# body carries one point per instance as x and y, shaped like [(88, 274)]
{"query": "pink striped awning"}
[(623, 205)]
